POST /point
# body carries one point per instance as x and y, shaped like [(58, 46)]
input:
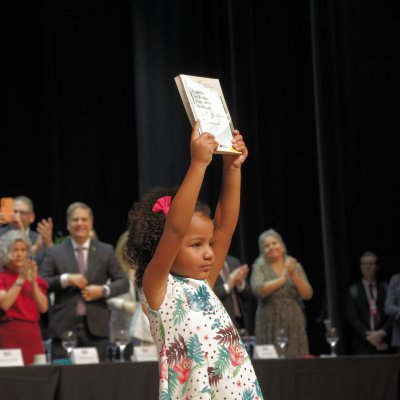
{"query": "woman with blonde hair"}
[(126, 311), (280, 285), (123, 306)]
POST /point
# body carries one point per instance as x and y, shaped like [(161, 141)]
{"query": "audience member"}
[(392, 309), (83, 273), (22, 297), (126, 309), (22, 219), (41, 239), (123, 306), (234, 293), (139, 329), (369, 326), (280, 284)]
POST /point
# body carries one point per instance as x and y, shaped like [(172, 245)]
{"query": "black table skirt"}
[(340, 378)]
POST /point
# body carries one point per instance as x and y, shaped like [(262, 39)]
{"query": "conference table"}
[(327, 378)]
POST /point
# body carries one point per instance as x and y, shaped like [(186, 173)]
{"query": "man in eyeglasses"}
[(369, 326), (22, 219)]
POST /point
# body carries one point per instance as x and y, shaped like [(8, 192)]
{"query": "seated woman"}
[(22, 297)]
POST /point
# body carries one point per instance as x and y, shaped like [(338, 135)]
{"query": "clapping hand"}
[(28, 271), (45, 229), (241, 274), (238, 276), (290, 265)]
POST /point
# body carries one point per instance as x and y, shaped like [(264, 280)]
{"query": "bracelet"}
[(17, 283)]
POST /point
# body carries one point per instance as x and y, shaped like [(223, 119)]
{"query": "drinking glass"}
[(122, 340), (332, 337), (249, 341), (47, 349), (68, 341), (281, 341)]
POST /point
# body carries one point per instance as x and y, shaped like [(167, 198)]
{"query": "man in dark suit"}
[(369, 325), (235, 294), (82, 272)]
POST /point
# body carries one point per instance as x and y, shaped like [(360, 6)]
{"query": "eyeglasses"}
[(22, 212)]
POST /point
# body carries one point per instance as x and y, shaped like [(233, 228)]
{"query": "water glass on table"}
[(68, 341), (282, 341), (122, 340), (331, 336)]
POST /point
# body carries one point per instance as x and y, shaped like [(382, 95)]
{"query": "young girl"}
[(177, 252), (22, 297)]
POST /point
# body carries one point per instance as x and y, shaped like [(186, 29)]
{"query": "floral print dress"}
[(201, 355)]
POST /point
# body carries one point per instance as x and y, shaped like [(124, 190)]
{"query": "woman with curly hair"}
[(177, 252)]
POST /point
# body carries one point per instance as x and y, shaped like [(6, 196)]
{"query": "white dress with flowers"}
[(201, 355)]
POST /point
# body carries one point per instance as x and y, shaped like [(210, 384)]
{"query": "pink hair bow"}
[(162, 204)]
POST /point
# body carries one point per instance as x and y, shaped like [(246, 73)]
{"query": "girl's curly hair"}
[(145, 228)]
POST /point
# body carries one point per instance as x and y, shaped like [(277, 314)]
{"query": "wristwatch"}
[(18, 283), (105, 290)]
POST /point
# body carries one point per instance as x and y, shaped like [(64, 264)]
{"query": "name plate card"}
[(85, 355), (11, 358), (263, 351), (145, 353)]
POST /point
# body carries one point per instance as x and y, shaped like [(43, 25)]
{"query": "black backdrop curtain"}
[(92, 113)]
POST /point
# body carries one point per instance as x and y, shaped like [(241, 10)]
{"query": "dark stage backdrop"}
[(91, 113)]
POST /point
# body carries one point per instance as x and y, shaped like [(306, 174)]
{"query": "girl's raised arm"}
[(155, 277), (227, 210)]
